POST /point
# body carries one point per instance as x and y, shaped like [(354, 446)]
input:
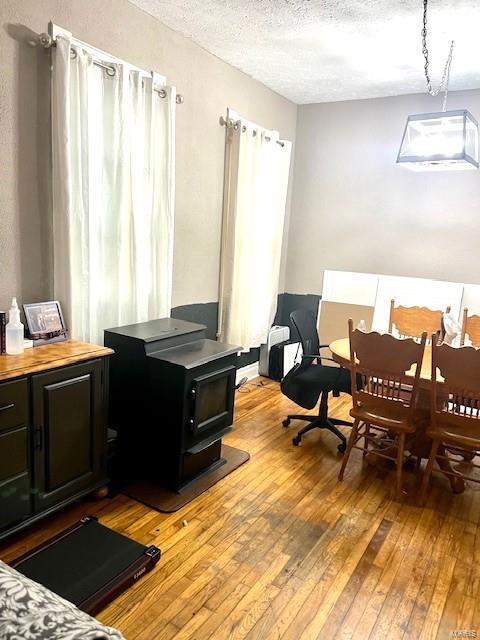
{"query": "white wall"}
[(209, 87), (354, 209)]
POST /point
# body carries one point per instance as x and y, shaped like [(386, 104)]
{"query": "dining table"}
[(419, 443)]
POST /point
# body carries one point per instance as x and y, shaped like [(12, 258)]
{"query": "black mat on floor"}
[(88, 564), (167, 501)]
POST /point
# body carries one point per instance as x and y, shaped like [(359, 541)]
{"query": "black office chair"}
[(310, 379)]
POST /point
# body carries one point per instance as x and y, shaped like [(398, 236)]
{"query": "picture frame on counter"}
[(45, 322)]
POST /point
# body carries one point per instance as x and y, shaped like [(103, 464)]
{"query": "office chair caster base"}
[(286, 422), (342, 447), (297, 441)]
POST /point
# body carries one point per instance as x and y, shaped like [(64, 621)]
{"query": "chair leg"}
[(428, 471), (343, 441), (304, 418), (296, 440), (341, 423), (320, 421), (367, 435), (351, 442), (399, 474)]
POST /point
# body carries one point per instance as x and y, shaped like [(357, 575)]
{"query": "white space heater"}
[(276, 335)]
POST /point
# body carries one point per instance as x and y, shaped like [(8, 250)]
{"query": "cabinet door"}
[(69, 431), (15, 473)]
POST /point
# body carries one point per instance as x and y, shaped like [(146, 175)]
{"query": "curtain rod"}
[(47, 42), (234, 124)]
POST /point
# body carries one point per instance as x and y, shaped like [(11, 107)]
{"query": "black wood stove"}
[(171, 400)]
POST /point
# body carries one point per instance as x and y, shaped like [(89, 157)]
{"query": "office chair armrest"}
[(309, 356), (317, 355)]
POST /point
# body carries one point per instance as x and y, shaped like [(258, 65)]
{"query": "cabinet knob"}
[(193, 394)]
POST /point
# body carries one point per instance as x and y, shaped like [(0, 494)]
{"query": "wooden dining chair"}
[(411, 322), (384, 402), (455, 408), (470, 328)]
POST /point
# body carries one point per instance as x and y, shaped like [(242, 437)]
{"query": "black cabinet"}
[(53, 428), (15, 467), (69, 431)]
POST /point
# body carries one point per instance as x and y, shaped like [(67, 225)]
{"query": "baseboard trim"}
[(250, 371)]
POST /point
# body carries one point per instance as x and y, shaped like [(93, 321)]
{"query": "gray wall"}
[(354, 209), (208, 85)]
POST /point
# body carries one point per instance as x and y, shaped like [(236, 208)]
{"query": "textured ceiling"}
[(324, 50)]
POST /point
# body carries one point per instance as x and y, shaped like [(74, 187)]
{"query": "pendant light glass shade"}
[(442, 141)]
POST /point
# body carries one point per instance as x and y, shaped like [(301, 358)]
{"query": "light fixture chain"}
[(447, 81), (446, 71)]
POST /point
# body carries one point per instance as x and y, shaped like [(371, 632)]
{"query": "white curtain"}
[(257, 167), (113, 191)]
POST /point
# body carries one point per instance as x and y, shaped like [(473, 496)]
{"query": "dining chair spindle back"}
[(411, 322), (385, 400), (455, 408)]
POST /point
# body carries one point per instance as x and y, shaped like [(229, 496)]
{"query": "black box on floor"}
[(88, 564), (283, 357)]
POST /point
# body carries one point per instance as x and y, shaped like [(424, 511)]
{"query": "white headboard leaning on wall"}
[(349, 294)]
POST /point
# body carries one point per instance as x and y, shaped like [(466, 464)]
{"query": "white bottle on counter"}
[(14, 330), (361, 326)]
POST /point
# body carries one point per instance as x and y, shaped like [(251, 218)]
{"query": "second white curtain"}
[(255, 194), (113, 163)]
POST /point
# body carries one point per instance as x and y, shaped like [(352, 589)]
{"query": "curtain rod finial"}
[(45, 40)]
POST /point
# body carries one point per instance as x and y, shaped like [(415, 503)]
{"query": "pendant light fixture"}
[(444, 140)]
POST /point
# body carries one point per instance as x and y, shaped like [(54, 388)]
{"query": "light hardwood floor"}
[(280, 549)]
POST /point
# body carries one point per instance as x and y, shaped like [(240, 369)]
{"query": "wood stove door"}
[(212, 399)]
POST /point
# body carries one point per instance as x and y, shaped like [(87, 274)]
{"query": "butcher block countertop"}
[(50, 356)]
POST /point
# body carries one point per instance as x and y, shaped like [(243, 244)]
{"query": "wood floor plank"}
[(418, 617), (347, 596), (334, 582), (345, 541), (392, 614), (280, 549), (374, 606)]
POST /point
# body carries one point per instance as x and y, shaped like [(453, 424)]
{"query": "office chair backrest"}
[(306, 324)]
